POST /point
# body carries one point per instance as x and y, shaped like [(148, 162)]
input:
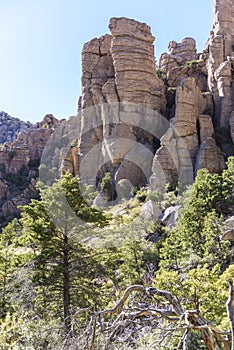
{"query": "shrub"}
[(193, 63), (160, 73)]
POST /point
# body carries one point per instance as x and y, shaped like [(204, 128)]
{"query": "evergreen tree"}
[(210, 197), (8, 264), (64, 271)]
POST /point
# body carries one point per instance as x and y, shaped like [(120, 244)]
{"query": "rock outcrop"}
[(210, 103), (132, 51), (192, 91), (179, 54), (19, 162), (139, 122), (221, 59), (10, 127), (119, 71)]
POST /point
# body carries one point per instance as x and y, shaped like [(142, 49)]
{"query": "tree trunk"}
[(66, 286)]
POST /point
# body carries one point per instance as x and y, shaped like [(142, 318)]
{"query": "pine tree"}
[(64, 270), (210, 197)]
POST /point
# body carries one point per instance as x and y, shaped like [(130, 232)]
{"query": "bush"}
[(160, 73), (193, 63)]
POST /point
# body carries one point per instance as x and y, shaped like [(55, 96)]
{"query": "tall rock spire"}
[(224, 24), (221, 60)]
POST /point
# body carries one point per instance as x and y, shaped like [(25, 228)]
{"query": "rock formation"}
[(142, 123), (220, 47), (10, 127), (19, 161), (204, 98), (193, 91), (118, 69)]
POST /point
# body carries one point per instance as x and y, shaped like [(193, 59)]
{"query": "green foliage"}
[(58, 271), (74, 143), (107, 183), (193, 63), (8, 262), (108, 188), (45, 126), (46, 273), (22, 332), (139, 257), (196, 289), (160, 73), (197, 234)]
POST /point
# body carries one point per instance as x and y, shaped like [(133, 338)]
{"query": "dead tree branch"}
[(124, 322)]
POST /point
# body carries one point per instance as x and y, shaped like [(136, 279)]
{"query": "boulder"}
[(228, 229), (170, 216), (151, 211)]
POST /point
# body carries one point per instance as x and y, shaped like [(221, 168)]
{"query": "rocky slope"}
[(19, 161), (10, 127)]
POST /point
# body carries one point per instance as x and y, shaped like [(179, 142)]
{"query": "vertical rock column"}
[(179, 146), (134, 63), (97, 68), (221, 60), (119, 83)]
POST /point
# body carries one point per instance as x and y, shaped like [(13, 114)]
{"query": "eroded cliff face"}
[(192, 91), (19, 162), (220, 48), (118, 78)]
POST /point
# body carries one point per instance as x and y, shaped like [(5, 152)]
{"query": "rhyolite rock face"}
[(221, 59), (118, 70), (10, 127), (193, 91), (19, 161)]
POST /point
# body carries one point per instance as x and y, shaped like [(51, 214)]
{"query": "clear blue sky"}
[(41, 43)]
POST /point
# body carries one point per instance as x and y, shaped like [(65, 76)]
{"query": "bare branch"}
[(121, 324)]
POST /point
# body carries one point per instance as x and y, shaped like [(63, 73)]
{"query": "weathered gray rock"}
[(124, 189), (170, 216), (175, 158), (210, 157), (179, 54), (186, 50), (206, 127), (223, 77), (132, 51), (228, 229), (223, 23), (196, 69), (151, 211)]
